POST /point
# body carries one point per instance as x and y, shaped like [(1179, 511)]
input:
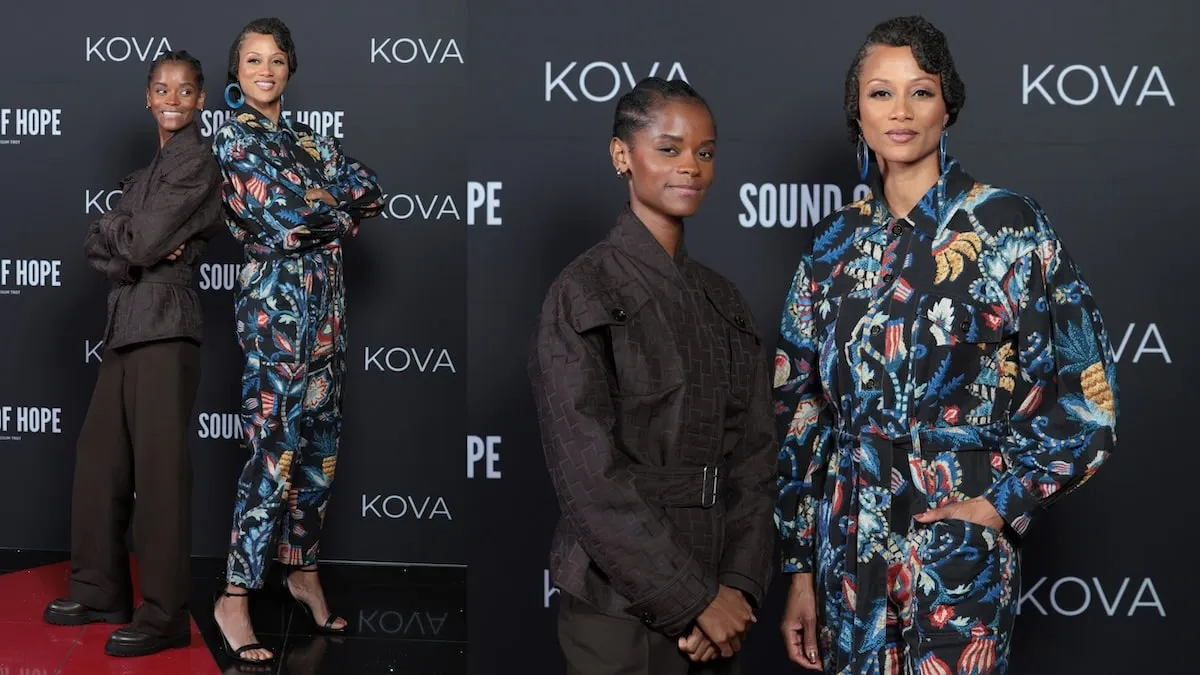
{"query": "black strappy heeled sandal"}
[(236, 654), (327, 627)]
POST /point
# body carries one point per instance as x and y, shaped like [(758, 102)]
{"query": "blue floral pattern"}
[(290, 310), (951, 354)]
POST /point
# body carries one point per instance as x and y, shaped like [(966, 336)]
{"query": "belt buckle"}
[(708, 498)]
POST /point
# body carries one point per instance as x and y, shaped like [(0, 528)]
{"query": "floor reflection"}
[(401, 620)]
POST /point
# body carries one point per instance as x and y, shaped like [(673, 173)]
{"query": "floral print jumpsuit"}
[(952, 354), (290, 310)]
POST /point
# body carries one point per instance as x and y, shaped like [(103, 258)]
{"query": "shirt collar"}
[(934, 209), (255, 119), (631, 236)]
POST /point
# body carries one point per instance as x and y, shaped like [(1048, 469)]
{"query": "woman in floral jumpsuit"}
[(291, 196), (942, 377)]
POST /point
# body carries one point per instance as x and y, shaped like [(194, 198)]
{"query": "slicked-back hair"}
[(929, 47)]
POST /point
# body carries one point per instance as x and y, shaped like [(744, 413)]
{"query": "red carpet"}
[(29, 646)]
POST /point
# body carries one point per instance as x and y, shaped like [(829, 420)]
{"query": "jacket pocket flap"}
[(615, 307)]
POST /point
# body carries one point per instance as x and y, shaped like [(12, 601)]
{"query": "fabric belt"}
[(683, 487), (179, 275)]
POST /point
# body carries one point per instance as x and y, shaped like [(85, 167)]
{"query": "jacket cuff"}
[(120, 272), (338, 192), (797, 556), (753, 590), (676, 605), (1014, 503)]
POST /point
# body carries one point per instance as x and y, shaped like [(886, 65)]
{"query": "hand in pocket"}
[(978, 510)]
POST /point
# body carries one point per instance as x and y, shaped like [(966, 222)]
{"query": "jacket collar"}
[(631, 236), (182, 144), (934, 209)]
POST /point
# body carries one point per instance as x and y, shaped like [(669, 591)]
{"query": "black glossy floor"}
[(409, 620)]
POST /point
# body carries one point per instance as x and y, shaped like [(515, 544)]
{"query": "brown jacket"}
[(173, 201), (654, 398)]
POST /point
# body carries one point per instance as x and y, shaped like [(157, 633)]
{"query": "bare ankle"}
[(234, 596)]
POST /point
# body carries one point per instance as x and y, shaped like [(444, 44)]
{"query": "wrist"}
[(801, 582)]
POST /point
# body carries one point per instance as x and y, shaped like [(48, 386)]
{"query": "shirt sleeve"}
[(268, 202), (629, 539), (353, 184), (750, 541), (183, 207), (804, 421), (1064, 404), (101, 258)]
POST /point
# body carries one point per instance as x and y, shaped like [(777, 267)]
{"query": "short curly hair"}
[(266, 26), (929, 47)]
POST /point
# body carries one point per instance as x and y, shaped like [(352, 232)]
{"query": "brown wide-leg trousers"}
[(598, 644), (134, 439)]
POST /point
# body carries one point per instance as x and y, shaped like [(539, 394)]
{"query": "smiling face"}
[(174, 96), (262, 70), (901, 109), (670, 161)]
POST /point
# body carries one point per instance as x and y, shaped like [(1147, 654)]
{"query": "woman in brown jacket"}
[(137, 422), (653, 392)]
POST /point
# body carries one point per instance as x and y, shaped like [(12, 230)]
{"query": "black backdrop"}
[(390, 80), (1104, 592), (488, 124)]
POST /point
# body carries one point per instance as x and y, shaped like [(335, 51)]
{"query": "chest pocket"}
[(638, 343), (741, 344), (960, 362)]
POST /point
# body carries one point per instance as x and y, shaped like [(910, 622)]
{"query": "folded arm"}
[(354, 185), (268, 202), (186, 205)]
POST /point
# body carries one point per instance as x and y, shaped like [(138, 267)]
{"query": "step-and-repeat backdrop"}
[(389, 81), (493, 154), (1088, 107)]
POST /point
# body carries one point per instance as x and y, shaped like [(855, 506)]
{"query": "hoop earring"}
[(942, 150), (864, 158), (240, 94)]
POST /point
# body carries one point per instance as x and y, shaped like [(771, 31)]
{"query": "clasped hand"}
[(320, 195), (721, 627)]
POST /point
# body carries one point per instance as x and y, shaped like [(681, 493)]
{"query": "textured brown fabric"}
[(644, 368), (135, 439), (173, 201)]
